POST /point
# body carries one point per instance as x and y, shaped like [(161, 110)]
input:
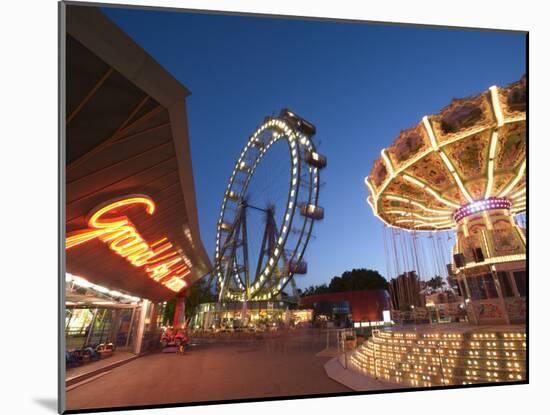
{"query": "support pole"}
[(89, 336), (140, 330), (130, 327), (474, 313), (512, 281), (500, 295), (231, 240), (262, 251), (245, 255), (179, 312)]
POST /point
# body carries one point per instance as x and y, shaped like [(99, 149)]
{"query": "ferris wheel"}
[(268, 211)]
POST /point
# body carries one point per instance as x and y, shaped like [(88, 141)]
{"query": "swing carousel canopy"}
[(470, 157)]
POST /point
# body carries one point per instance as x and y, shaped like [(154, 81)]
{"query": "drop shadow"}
[(48, 403)]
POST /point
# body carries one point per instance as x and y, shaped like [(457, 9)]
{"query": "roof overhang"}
[(126, 134)]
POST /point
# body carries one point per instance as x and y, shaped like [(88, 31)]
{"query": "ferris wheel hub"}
[(284, 240)]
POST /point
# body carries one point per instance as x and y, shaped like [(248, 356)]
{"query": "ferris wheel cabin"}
[(315, 159), (313, 212), (301, 124)]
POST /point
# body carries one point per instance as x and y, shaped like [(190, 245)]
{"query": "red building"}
[(364, 306)]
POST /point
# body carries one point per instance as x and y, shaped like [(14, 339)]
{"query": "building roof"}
[(126, 134)]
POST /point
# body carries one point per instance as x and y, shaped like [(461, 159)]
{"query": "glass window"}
[(476, 288), (489, 285), (78, 323), (124, 329), (161, 307), (521, 282), (101, 327), (148, 313), (505, 285)]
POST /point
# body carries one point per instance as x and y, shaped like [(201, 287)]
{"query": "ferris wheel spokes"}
[(238, 240), (284, 237)]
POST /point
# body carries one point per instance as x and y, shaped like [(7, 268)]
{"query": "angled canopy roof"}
[(126, 134)]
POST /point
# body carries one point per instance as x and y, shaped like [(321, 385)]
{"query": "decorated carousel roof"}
[(472, 152)]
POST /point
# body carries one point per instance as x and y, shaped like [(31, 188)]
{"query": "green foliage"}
[(354, 280), (198, 293), (168, 312), (435, 282), (315, 289)]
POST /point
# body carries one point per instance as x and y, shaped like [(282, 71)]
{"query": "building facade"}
[(367, 306), (132, 239)]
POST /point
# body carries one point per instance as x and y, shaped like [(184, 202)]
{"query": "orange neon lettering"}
[(125, 243), (180, 272), (158, 259), (159, 242), (123, 238), (134, 255), (184, 274), (162, 269), (175, 284), (141, 257)]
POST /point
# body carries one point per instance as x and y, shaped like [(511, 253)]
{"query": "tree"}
[(354, 280), (315, 289), (199, 293), (358, 279), (435, 282), (168, 312)]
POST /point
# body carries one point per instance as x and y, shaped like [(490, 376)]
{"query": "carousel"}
[(463, 171), (456, 180)]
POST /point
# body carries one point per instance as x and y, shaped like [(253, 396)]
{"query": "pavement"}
[(278, 365), (77, 374), (357, 381)]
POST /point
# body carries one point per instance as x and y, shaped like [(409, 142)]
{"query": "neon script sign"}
[(160, 261)]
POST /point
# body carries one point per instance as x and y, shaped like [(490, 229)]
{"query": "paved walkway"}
[(280, 366), (357, 381), (79, 371)]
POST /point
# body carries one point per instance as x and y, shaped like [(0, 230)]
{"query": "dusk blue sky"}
[(359, 83)]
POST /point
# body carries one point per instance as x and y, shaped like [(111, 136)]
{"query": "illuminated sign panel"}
[(161, 262)]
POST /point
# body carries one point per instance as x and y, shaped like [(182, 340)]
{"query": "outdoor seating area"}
[(246, 333)]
